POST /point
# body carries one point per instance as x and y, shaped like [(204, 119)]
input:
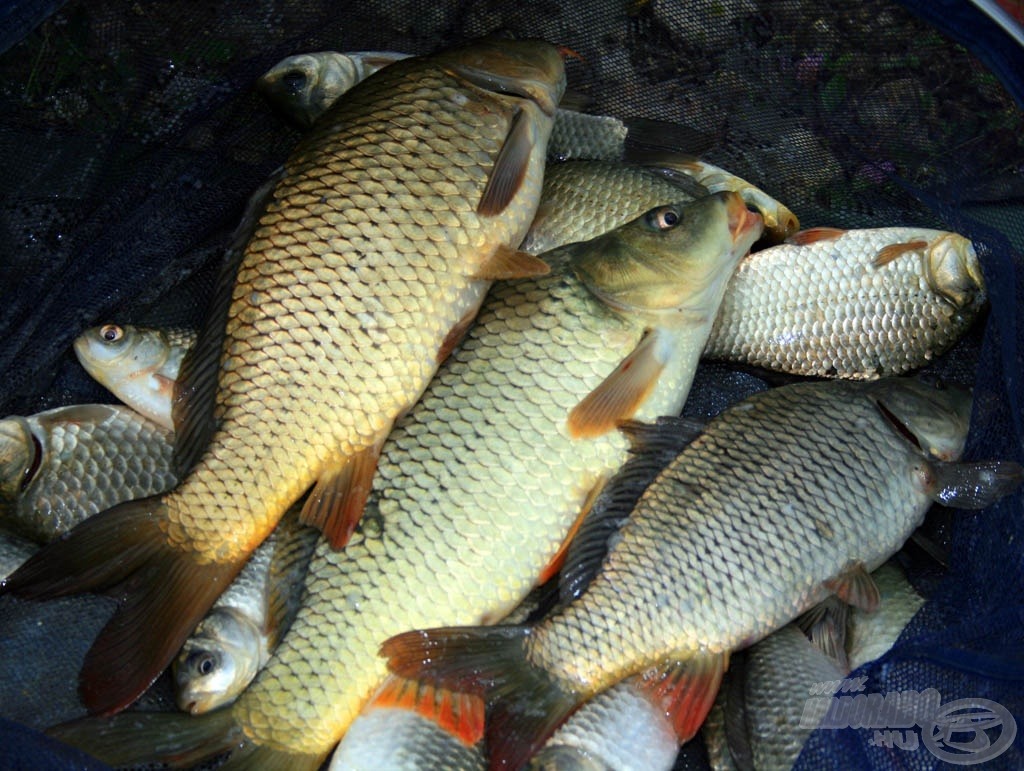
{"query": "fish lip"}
[(742, 221)]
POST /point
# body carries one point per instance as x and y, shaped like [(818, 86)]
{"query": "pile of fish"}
[(442, 368)]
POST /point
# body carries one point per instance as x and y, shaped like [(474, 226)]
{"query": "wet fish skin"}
[(484, 459), (743, 498), (826, 309), (379, 240), (139, 365), (13, 552), (61, 466)]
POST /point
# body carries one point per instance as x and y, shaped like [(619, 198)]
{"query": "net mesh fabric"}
[(133, 136)]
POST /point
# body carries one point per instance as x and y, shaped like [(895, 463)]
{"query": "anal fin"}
[(459, 714), (337, 500), (621, 393), (685, 689)]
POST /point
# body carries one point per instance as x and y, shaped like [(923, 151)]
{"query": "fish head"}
[(932, 416), (20, 456), (953, 271), (304, 86), (672, 259), (217, 662), (115, 351), (531, 70)]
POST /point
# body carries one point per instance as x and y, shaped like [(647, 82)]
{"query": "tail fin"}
[(526, 704), (163, 592)]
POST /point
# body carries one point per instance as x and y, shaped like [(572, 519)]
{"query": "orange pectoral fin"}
[(813, 235), (459, 714), (895, 251), (685, 690), (337, 501), (507, 263), (620, 394)]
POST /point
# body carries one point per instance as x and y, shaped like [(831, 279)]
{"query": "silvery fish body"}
[(857, 304), (870, 635), (61, 466), (137, 364)]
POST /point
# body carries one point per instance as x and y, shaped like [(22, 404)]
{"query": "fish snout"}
[(744, 224)]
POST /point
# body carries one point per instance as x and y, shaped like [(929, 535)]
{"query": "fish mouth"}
[(742, 220)]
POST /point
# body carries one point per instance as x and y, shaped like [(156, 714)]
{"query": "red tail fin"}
[(163, 592)]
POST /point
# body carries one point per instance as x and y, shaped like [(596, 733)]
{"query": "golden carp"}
[(371, 257), (853, 304), (59, 467), (138, 365), (784, 499), (509, 443)]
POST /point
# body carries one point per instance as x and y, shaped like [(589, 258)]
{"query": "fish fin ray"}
[(336, 503), (460, 715), (286, 574), (825, 626), (814, 235), (509, 168), (619, 396), (856, 587), (685, 689), (526, 704), (507, 263), (133, 738), (975, 485), (455, 336), (893, 252), (558, 560), (164, 594), (195, 391)]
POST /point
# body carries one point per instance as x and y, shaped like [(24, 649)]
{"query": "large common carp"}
[(372, 255), (786, 498), (480, 484)]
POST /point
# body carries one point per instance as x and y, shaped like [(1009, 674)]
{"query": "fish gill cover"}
[(132, 138)]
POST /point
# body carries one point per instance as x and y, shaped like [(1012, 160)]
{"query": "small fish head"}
[(672, 257), (953, 271), (525, 69), (217, 663), (304, 86), (20, 456), (932, 416), (111, 350)]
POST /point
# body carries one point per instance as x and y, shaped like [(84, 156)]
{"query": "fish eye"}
[(663, 218), (111, 333), (204, 663), (294, 82)]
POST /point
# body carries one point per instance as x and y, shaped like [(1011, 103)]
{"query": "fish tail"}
[(135, 738), (525, 703), (164, 593)]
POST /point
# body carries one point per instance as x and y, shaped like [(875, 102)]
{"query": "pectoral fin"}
[(825, 625), (856, 587), (460, 714), (509, 168), (685, 690), (558, 560), (813, 235), (336, 502), (620, 394), (895, 251), (507, 262)]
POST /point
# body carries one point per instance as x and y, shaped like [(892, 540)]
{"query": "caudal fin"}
[(525, 704), (163, 592)]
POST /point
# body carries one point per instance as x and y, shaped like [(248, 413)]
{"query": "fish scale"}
[(743, 568)]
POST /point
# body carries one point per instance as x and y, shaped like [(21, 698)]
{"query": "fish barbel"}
[(59, 467), (854, 304), (371, 257), (138, 365), (784, 499), (508, 444)]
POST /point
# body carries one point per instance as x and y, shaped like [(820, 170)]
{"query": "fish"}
[(869, 636), (13, 552), (582, 199), (507, 446), (784, 499), (304, 86), (859, 304), (138, 365), (376, 245), (61, 466), (235, 639)]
